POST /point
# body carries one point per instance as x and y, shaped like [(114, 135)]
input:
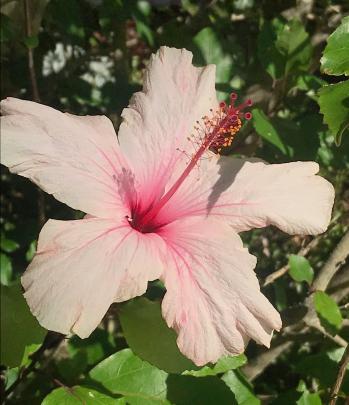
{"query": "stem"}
[(31, 65), (36, 98)]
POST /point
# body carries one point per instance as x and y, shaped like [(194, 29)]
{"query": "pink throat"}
[(215, 133)]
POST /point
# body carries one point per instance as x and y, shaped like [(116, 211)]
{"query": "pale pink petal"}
[(213, 298), (77, 159), (253, 194), (159, 119), (83, 266), (290, 196)]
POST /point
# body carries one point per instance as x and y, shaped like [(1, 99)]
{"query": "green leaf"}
[(300, 269), (80, 395), (284, 47), (18, 326), (335, 59), (31, 251), (96, 347), (142, 384), (7, 30), (270, 56), (190, 6), (293, 42), (31, 42), (68, 18), (241, 388), (71, 368), (8, 245), (334, 105), (11, 375), (189, 390), (210, 47), (309, 399), (328, 312), (323, 367), (140, 15), (28, 351), (308, 82), (266, 130), (243, 4), (5, 269), (223, 365), (142, 317), (124, 373)]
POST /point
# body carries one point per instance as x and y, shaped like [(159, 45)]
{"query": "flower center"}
[(212, 133)]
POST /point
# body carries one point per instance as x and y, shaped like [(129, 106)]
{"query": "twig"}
[(313, 322), (283, 270), (340, 376), (337, 258), (36, 98)]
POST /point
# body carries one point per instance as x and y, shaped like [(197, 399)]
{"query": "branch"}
[(256, 366), (283, 270), (337, 258), (339, 285), (314, 323), (341, 373)]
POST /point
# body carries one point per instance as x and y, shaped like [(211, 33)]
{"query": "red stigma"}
[(228, 122)]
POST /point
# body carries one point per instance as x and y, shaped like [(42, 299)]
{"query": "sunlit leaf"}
[(80, 395), (300, 269), (223, 365), (284, 47), (28, 351), (266, 130), (335, 59), (328, 312), (334, 105), (125, 374), (31, 251), (308, 398), (241, 388), (210, 47), (8, 245), (5, 269)]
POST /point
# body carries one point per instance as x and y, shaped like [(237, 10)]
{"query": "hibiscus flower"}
[(161, 204)]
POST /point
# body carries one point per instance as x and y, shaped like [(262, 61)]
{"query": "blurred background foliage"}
[(88, 57)]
